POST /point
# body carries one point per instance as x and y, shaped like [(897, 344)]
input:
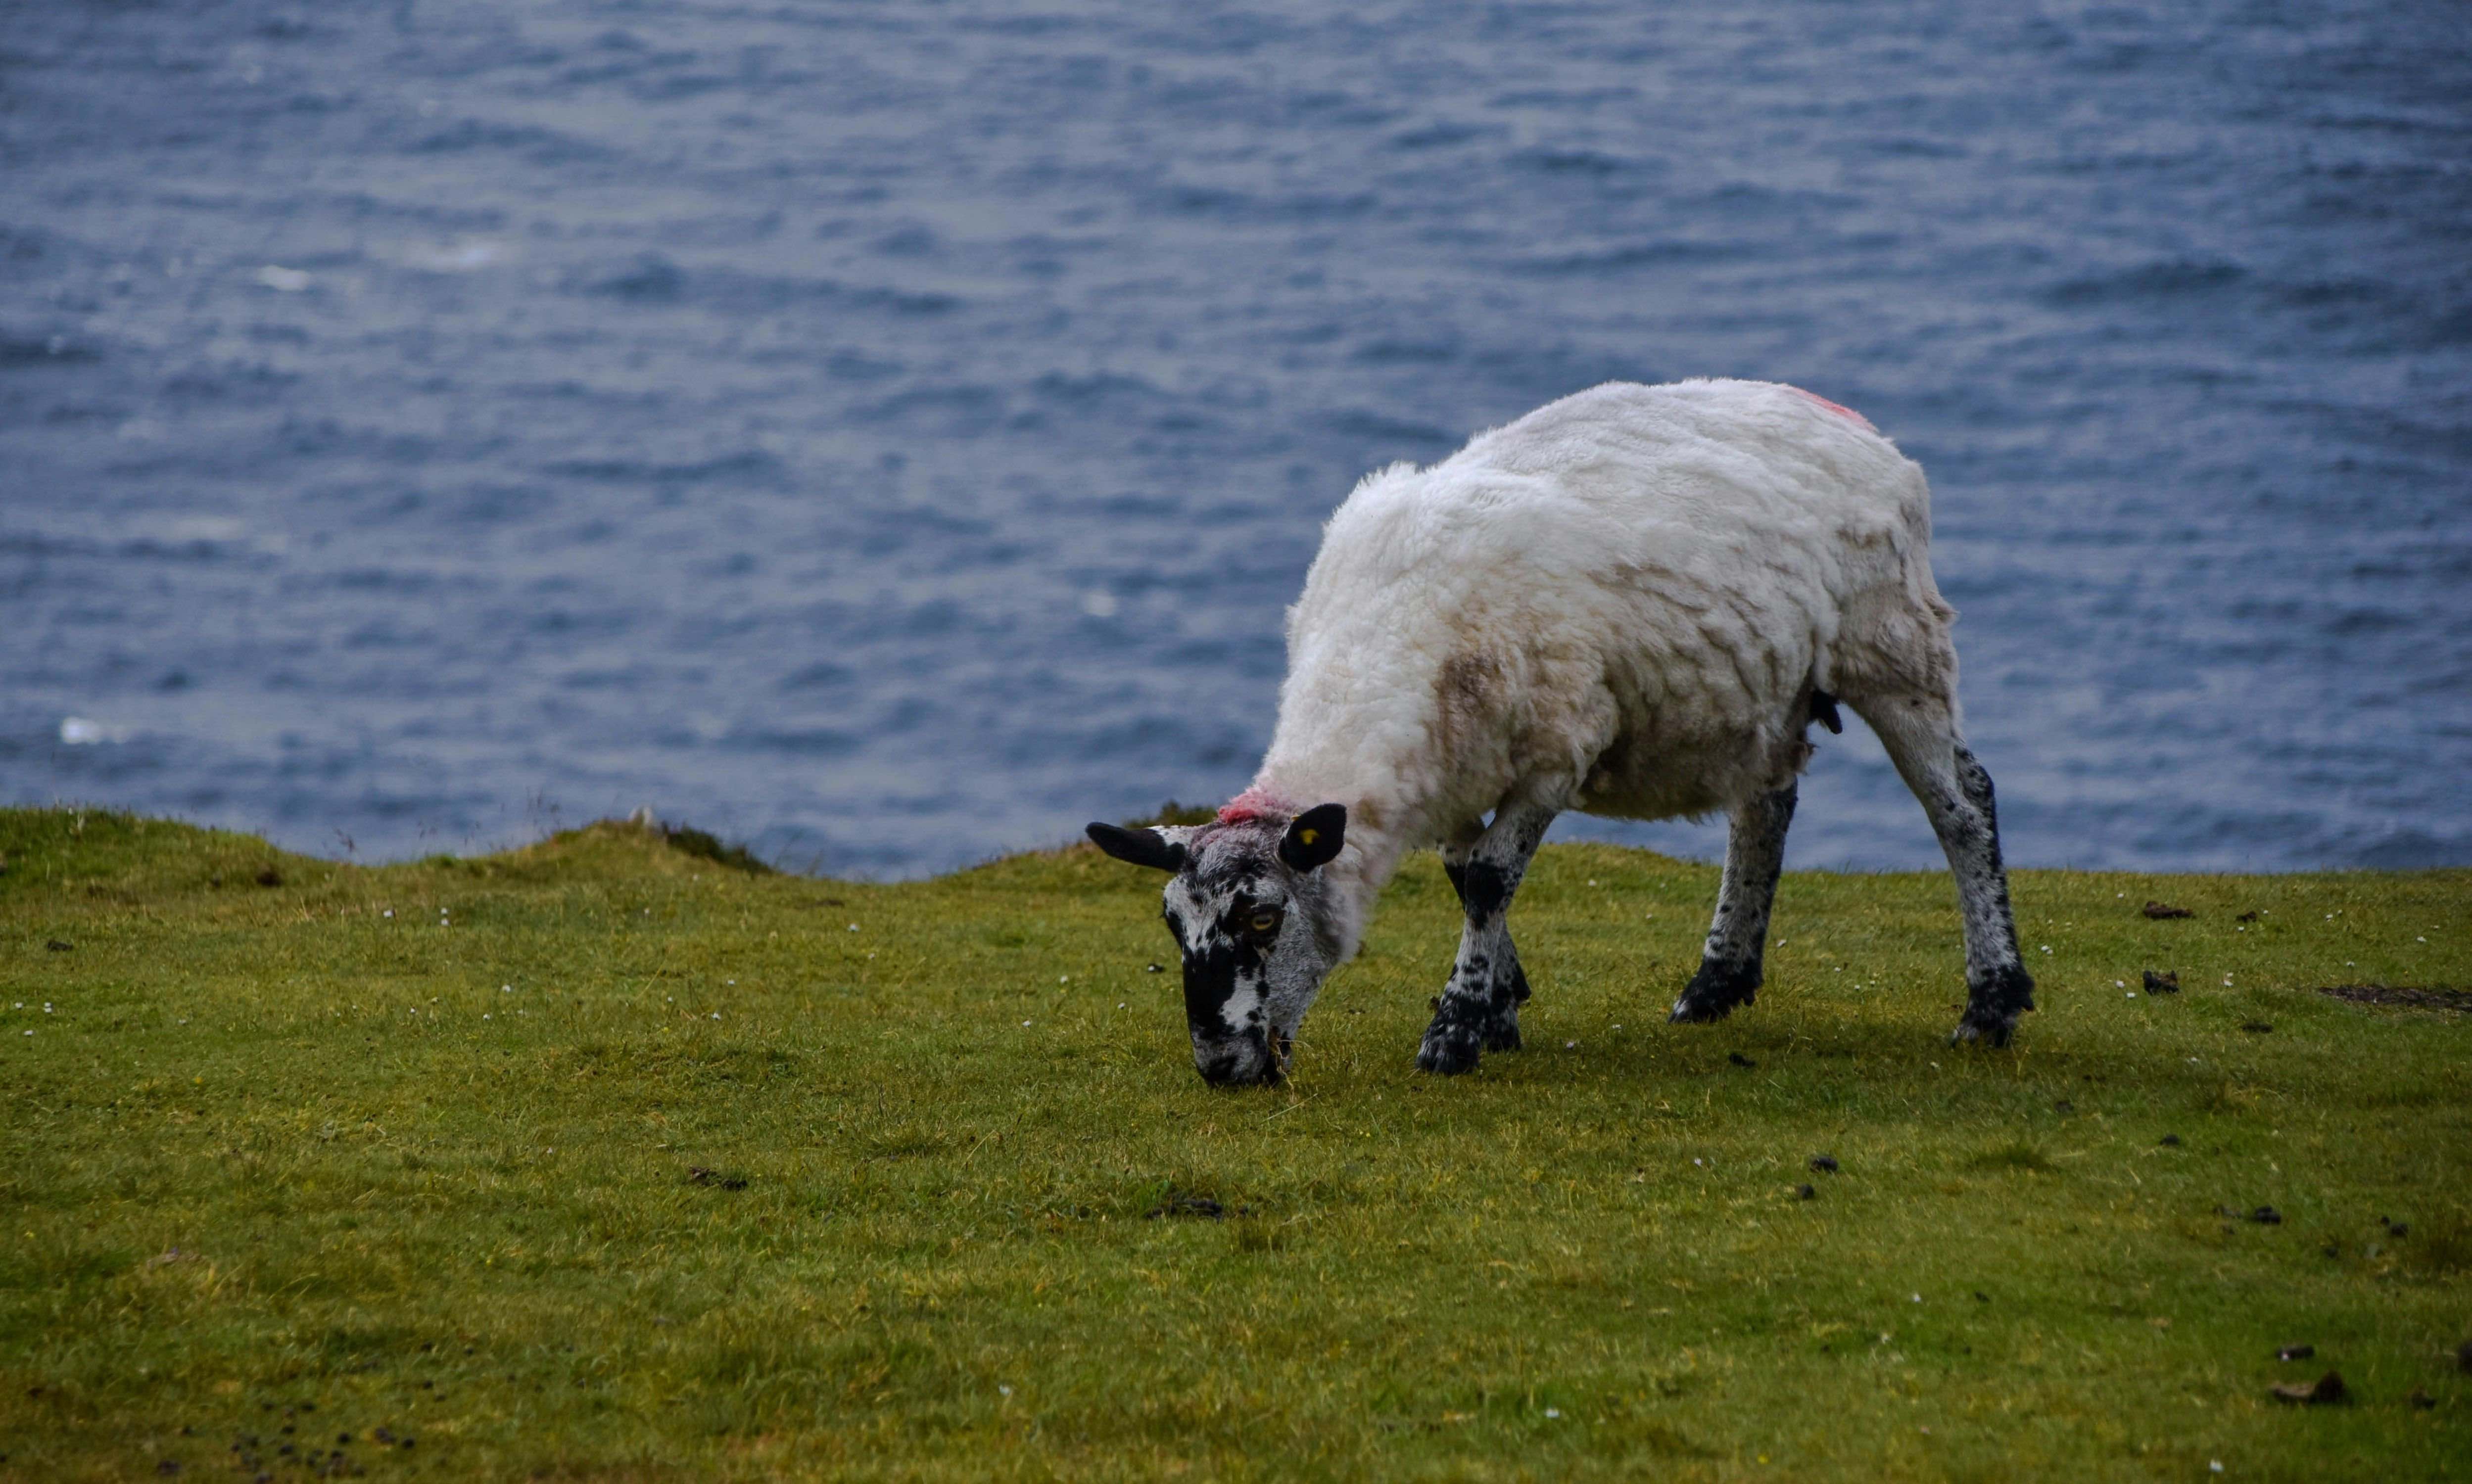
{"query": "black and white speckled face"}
[(1251, 967), (1252, 917)]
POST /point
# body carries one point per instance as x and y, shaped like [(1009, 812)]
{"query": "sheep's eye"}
[(1264, 921)]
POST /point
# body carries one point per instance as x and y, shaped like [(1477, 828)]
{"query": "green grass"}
[(755, 1176)]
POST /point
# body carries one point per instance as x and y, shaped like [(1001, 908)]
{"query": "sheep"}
[(1633, 602)]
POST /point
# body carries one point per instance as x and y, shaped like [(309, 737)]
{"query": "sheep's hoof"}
[(1690, 1012), (1715, 992), (1449, 1051), (1984, 1029), (1992, 1004)]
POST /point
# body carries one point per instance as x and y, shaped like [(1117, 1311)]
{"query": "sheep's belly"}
[(1649, 775)]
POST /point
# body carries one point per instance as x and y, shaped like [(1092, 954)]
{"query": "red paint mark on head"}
[(1254, 804), (1845, 412)]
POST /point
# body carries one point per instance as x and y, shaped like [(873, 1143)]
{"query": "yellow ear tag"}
[(1307, 836)]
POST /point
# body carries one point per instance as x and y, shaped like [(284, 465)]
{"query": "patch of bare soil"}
[(2393, 994)]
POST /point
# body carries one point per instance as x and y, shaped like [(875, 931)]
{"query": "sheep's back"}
[(1633, 583)]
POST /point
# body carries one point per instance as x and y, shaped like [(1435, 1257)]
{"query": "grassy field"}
[(608, 1159)]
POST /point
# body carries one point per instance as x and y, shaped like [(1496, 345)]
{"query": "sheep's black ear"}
[(1141, 847), (1315, 837)]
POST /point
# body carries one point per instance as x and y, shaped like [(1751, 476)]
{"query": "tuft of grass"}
[(2015, 1154), (613, 1157), (2439, 1245), (688, 841)]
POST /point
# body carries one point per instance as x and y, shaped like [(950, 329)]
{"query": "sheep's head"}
[(1253, 913)]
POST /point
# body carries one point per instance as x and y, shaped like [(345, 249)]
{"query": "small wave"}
[(749, 466), (902, 301), (1392, 352), (910, 240), (1096, 388), (806, 742), (847, 364), (1572, 162), (2365, 621), (184, 530), (469, 255), (952, 409), (656, 280), (1381, 427), (385, 580), (1439, 137), (541, 146), (2446, 331), (1659, 253), (2176, 278), (194, 537), (86, 732), (652, 280), (819, 676), (1907, 147), (1220, 203), (43, 350)]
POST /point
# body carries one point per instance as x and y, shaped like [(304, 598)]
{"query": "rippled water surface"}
[(888, 433)]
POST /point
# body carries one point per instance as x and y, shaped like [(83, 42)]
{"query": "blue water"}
[(888, 433)]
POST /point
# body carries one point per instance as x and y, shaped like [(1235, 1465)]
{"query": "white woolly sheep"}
[(1633, 601)]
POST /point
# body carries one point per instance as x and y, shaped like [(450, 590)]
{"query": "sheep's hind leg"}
[(1479, 1009), (1729, 966), (1956, 792)]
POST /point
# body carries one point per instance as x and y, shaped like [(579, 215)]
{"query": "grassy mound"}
[(608, 1158)]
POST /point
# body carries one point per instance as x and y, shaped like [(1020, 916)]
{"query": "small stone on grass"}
[(2325, 1390)]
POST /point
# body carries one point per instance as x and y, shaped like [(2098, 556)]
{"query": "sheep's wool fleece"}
[(1625, 597)]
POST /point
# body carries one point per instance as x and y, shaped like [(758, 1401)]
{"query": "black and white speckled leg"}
[(1479, 1009), (1729, 965), (1923, 740)]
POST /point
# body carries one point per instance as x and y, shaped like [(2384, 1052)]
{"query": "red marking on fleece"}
[(1254, 804), (1842, 411)]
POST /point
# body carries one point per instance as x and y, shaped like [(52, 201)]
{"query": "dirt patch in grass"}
[(1187, 1203), (2395, 994)]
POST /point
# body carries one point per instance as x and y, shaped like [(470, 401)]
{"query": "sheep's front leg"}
[(1484, 945), (1479, 1009), (1729, 966)]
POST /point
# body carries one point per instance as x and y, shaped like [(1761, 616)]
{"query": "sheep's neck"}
[(1375, 842)]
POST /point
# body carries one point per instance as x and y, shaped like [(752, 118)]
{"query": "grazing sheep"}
[(1633, 601)]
